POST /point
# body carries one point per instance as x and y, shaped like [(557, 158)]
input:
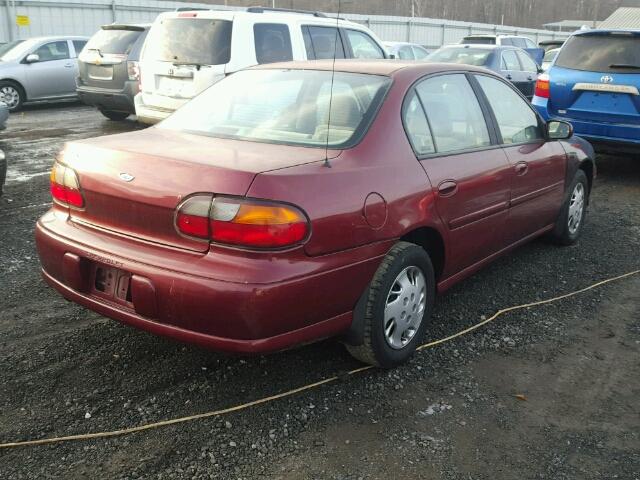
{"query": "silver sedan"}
[(39, 69)]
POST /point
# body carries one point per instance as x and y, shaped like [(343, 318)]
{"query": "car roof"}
[(58, 37), (602, 31), (124, 26), (482, 46), (370, 67), (281, 16)]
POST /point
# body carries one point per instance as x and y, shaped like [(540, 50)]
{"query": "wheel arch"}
[(588, 167), (18, 84)]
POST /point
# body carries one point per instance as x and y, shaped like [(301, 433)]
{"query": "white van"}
[(188, 51)]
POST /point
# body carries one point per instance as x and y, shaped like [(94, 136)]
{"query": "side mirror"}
[(32, 58), (392, 56), (559, 130)]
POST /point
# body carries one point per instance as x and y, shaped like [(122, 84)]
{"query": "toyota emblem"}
[(606, 79)]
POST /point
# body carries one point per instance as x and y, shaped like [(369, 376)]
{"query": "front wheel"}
[(399, 304), (12, 95), (571, 220), (113, 115)]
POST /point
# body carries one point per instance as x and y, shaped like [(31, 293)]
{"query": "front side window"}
[(363, 46), (285, 106), (405, 53), (510, 60), (420, 53), (190, 41), (517, 121), (415, 122), (454, 113), (528, 65), (272, 42), (53, 51), (326, 43)]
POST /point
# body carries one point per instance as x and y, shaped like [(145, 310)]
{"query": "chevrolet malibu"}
[(290, 203)]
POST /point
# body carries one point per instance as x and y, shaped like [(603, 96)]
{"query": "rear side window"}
[(272, 42), (454, 114), (53, 51), (116, 42), (363, 46), (516, 120), (528, 65), (190, 41), (325, 42), (601, 53), (510, 60), (417, 127)]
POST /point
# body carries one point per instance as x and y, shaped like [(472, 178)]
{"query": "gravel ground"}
[(550, 392)]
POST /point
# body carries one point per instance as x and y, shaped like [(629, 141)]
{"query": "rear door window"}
[(516, 120), (510, 61), (325, 42), (601, 53), (53, 51), (272, 42), (190, 41), (362, 45), (417, 127), (113, 42), (454, 114)]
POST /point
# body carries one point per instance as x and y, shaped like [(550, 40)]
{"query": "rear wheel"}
[(570, 223), (12, 95), (113, 115), (399, 304)]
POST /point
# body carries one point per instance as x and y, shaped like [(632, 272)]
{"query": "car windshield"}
[(194, 41), (285, 106), (601, 53), (9, 50), (464, 55), (113, 41)]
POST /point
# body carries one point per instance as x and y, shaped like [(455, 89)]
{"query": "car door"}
[(538, 166), (530, 69), (469, 172), (512, 70), (54, 74)]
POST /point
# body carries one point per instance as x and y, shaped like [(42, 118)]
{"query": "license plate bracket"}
[(111, 283)]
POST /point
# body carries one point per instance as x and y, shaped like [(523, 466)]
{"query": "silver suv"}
[(39, 69)]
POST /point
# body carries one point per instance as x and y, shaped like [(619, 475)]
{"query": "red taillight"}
[(542, 86), (244, 223), (65, 187), (133, 70)]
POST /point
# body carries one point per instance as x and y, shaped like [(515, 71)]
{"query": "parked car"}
[(4, 116), (109, 71), (594, 83), (187, 52), (550, 44), (512, 63), (549, 57), (39, 69), (406, 51), (223, 225), (524, 43)]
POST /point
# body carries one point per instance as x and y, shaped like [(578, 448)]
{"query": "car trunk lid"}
[(132, 183)]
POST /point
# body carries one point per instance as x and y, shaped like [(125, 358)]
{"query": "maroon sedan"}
[(286, 204)]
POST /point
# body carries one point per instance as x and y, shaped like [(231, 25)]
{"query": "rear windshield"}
[(467, 56), (190, 41), (116, 42), (285, 106), (479, 41), (601, 53)]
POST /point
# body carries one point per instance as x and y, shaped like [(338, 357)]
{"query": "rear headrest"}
[(345, 111)]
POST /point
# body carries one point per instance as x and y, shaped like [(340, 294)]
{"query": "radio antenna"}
[(333, 74)]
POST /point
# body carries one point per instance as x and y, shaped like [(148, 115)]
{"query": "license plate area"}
[(100, 72), (111, 284)]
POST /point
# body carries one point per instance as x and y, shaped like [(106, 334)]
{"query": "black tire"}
[(113, 115), (20, 97), (563, 233), (376, 349), (3, 171)]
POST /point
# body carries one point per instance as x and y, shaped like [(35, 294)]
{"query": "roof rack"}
[(284, 10), (192, 9)]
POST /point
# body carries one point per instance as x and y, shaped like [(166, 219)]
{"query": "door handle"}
[(68, 65), (447, 188), (522, 168)]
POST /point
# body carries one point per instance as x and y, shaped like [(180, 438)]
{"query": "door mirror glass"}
[(32, 58), (559, 130)]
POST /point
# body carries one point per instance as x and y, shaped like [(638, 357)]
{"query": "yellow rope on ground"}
[(288, 393)]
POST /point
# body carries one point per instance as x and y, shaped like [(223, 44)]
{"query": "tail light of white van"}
[(543, 86), (65, 186), (133, 70), (242, 222)]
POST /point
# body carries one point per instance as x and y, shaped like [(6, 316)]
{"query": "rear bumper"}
[(611, 136), (148, 113), (311, 299), (108, 99)]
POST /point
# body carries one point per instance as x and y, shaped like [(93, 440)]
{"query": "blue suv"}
[(594, 83)]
